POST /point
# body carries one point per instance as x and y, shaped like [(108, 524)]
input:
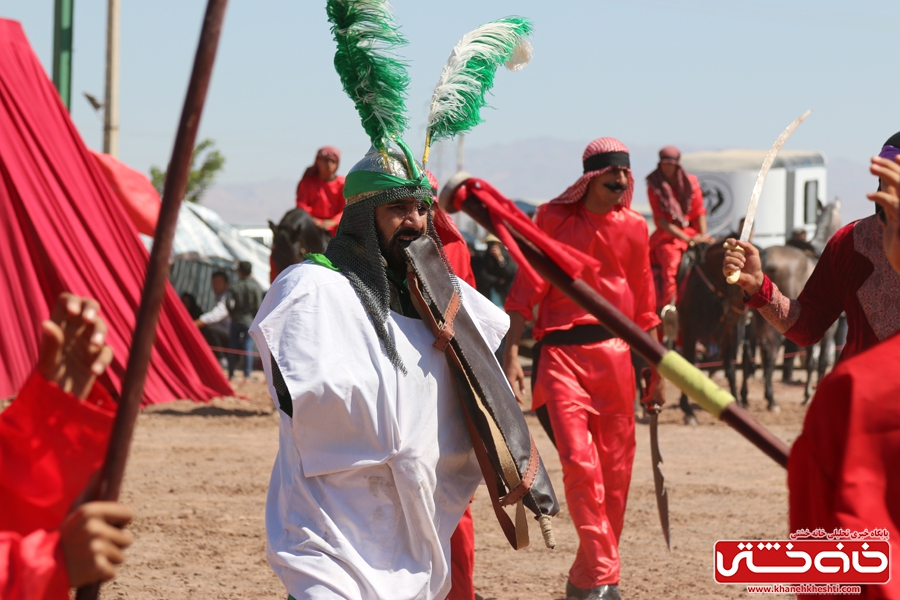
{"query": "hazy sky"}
[(700, 73)]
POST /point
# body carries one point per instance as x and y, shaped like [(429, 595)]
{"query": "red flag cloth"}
[(138, 196), (51, 444), (62, 229), (843, 470), (504, 212), (455, 246)]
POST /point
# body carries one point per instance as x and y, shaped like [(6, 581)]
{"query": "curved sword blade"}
[(659, 480), (763, 171)]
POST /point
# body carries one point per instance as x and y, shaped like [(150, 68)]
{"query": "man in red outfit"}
[(321, 190), (842, 471), (53, 439), (462, 542), (853, 275), (584, 378), (677, 204)]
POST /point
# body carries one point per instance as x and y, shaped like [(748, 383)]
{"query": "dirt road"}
[(199, 473)]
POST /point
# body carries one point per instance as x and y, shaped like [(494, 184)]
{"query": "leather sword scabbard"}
[(510, 463)]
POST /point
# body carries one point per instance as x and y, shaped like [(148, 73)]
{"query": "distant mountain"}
[(539, 168)]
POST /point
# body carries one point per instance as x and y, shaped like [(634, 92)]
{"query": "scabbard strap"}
[(445, 332), (527, 481)]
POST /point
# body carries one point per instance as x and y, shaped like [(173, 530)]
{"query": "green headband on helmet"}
[(362, 182)]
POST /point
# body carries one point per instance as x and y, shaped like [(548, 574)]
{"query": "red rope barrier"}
[(233, 351)]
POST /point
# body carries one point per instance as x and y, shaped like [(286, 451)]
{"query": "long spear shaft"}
[(587, 298), (158, 266)]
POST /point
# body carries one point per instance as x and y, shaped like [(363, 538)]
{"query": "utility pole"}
[(111, 102), (63, 15)]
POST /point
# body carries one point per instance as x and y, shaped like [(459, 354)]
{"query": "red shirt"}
[(618, 239), (843, 470), (659, 236), (455, 246), (322, 199), (853, 275), (51, 443)]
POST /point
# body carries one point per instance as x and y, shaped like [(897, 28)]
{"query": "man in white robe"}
[(375, 464)]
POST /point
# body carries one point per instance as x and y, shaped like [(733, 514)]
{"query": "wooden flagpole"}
[(158, 267)]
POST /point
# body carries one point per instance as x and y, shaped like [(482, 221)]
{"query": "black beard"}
[(392, 249), (615, 187)]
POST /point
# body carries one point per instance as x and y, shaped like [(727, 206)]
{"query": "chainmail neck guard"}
[(356, 252)]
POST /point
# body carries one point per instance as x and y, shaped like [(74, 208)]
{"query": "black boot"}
[(604, 592), (601, 592)]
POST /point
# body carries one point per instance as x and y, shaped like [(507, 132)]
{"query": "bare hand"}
[(497, 253), (889, 199), (515, 375), (92, 541), (73, 347), (657, 396), (327, 224), (748, 262), (701, 238)]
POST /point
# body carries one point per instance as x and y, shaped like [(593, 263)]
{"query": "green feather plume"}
[(469, 74), (370, 71)]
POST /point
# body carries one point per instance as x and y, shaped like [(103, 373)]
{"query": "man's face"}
[(327, 167), (219, 285), (399, 223), (606, 190), (668, 169)]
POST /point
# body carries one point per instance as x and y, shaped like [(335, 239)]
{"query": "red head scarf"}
[(323, 152), (600, 156), (674, 200), (329, 152)]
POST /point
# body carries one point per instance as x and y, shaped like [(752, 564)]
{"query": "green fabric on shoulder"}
[(322, 261)]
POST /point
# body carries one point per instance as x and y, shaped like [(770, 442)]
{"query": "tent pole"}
[(63, 16), (111, 101)]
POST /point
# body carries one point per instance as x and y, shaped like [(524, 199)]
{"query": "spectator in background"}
[(677, 204), (321, 190), (243, 300), (215, 325), (494, 270)]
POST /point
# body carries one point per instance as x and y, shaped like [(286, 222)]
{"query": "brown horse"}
[(710, 312), (295, 236)]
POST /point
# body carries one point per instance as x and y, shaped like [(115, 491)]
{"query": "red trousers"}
[(462, 559), (589, 392), (668, 256)]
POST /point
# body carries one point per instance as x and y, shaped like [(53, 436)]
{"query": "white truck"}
[(796, 186)]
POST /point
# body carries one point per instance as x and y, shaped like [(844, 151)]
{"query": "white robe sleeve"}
[(314, 327)]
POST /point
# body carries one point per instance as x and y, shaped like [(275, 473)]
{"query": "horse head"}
[(295, 236), (827, 224)]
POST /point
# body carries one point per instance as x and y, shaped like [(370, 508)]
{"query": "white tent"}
[(204, 243)]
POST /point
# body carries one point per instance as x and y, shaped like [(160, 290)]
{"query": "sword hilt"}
[(736, 274)]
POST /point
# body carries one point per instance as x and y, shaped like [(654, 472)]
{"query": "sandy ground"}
[(198, 475)]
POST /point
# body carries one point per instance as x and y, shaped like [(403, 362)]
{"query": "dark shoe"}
[(575, 593), (604, 592)]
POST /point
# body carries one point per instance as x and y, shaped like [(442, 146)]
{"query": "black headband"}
[(598, 162)]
